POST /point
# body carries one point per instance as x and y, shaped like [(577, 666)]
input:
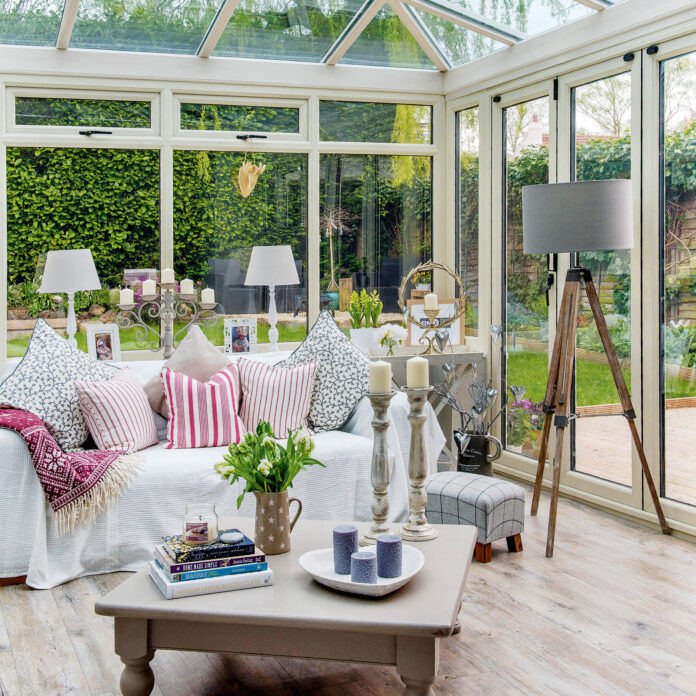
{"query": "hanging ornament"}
[(249, 172)]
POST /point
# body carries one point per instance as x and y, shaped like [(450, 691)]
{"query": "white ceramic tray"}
[(320, 565)]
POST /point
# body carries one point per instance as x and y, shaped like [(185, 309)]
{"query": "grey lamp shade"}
[(69, 270), (272, 265), (577, 216)]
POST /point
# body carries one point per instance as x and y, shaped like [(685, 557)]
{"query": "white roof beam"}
[(421, 34), (456, 14), (217, 26), (354, 28), (67, 22), (598, 5)]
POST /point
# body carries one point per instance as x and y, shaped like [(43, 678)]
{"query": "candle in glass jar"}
[(186, 287), (149, 287), (430, 301), (417, 373), (208, 296), (125, 296), (167, 275), (200, 524), (380, 377)]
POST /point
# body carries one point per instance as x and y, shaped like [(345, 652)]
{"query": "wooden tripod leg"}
[(550, 398), (561, 417), (625, 397)]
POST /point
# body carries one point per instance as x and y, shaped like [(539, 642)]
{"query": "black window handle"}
[(95, 132)]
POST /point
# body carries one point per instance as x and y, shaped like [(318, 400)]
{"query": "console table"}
[(297, 617)]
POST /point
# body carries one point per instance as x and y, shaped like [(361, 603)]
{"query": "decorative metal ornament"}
[(249, 174)]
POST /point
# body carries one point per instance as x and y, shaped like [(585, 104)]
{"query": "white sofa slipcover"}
[(124, 535)]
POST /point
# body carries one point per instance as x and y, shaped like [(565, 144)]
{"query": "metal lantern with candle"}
[(432, 337)]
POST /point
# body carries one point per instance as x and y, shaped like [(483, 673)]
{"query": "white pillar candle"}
[(208, 296), (186, 287), (430, 301), (149, 287), (167, 276), (125, 296), (380, 377), (417, 373)]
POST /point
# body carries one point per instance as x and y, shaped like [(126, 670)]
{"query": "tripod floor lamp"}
[(575, 217)]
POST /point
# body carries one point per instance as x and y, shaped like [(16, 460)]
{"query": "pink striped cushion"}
[(281, 396), (117, 413), (203, 414)]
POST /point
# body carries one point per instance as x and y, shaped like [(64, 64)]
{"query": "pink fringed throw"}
[(78, 485)]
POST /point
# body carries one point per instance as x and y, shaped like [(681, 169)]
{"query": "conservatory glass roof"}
[(426, 34)]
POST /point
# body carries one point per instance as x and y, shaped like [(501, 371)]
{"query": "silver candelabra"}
[(380, 469), (167, 307)]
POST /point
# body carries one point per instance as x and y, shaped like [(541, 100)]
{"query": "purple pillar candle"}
[(345, 543), (363, 567), (389, 555)]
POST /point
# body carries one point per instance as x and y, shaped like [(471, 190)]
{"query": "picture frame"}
[(240, 335), (447, 310), (104, 342)]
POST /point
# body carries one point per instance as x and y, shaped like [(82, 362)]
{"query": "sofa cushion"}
[(117, 412), (203, 414), (281, 396), (342, 377), (194, 357), (44, 384)]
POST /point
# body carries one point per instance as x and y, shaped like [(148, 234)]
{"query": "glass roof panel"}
[(30, 22), (386, 42), (302, 30), (175, 26), (458, 45)]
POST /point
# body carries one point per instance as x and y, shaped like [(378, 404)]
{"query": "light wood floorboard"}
[(612, 614)]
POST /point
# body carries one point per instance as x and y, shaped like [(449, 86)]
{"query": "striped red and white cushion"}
[(281, 396), (203, 414), (117, 413)]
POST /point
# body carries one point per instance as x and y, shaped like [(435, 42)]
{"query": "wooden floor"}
[(614, 612)]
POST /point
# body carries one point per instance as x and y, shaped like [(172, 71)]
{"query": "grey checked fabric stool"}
[(496, 507)]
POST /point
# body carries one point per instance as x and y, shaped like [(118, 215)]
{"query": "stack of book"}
[(182, 570)]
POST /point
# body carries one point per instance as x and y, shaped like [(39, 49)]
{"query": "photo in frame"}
[(448, 309), (104, 342), (240, 335)]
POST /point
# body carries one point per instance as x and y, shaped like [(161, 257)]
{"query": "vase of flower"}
[(273, 525)]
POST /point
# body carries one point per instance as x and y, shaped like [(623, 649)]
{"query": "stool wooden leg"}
[(514, 543), (484, 553)]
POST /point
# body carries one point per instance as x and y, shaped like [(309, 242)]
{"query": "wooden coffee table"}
[(297, 617)]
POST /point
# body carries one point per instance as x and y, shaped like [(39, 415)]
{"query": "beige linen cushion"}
[(194, 357)]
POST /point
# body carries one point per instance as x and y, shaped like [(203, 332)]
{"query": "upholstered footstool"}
[(496, 507)]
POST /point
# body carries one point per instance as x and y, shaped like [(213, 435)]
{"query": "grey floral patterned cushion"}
[(342, 378), (44, 384)]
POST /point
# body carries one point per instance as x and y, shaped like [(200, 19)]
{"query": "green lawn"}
[(596, 385)]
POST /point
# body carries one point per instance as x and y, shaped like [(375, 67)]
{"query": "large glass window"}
[(103, 200), (215, 229), (526, 314), (30, 22), (375, 226), (97, 113), (468, 217), (679, 277), (601, 117), (239, 117)]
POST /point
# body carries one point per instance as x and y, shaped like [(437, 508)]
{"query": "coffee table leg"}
[(137, 678), (417, 661)]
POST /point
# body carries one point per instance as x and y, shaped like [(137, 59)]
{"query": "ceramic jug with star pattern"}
[(273, 525)]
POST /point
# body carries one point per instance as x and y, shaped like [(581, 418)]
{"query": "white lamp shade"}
[(577, 216), (69, 270), (272, 265)]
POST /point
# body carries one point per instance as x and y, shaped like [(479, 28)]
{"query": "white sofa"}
[(123, 536)]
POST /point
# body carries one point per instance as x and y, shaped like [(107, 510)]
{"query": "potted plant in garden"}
[(525, 421), (422, 280), (269, 470), (364, 311)]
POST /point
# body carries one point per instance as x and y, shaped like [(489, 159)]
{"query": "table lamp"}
[(69, 271), (272, 266), (575, 217)]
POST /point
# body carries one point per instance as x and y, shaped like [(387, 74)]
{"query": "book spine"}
[(215, 572), (170, 567), (159, 581), (208, 554)]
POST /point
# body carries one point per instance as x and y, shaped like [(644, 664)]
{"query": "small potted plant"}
[(269, 470), (422, 280), (525, 420), (364, 311)]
